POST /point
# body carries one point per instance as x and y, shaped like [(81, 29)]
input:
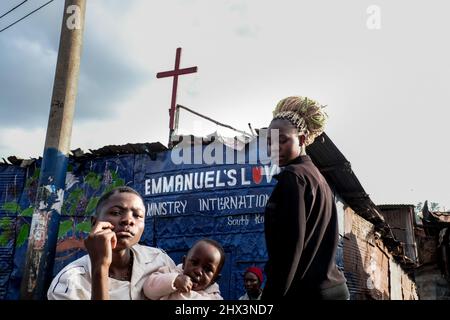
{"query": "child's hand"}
[(183, 283)]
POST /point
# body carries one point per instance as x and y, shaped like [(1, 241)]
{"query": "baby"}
[(194, 279)]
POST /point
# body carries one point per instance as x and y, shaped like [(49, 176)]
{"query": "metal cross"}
[(175, 73)]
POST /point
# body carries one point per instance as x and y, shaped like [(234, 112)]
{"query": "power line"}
[(26, 15), (13, 9)]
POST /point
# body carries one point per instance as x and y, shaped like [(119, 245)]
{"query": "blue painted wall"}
[(228, 207)]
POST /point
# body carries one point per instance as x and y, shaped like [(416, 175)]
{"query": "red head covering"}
[(257, 271)]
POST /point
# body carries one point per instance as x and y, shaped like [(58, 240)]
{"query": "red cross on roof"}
[(175, 73)]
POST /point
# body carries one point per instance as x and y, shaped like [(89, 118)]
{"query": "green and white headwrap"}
[(305, 114)]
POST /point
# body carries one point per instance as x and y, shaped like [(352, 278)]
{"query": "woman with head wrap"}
[(253, 280), (301, 227)]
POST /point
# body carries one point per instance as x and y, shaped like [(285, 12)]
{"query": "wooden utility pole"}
[(173, 111), (38, 270)]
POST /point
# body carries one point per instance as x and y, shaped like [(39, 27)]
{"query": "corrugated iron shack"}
[(433, 272), (178, 213)]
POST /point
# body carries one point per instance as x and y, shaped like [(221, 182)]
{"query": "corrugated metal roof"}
[(434, 217), (129, 148), (441, 216), (323, 152), (394, 206), (111, 150), (338, 171)]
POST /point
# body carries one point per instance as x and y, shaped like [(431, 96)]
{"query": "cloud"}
[(22, 143), (247, 31), (386, 90), (28, 60), (106, 79), (25, 91)]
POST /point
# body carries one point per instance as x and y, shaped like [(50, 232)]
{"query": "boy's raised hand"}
[(100, 243), (183, 283)]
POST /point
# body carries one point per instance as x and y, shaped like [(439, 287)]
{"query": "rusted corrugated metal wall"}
[(11, 186), (402, 287), (366, 266), (367, 263), (431, 284), (401, 221), (396, 281), (409, 289)]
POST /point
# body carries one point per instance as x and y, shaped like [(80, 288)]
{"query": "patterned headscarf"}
[(305, 114)]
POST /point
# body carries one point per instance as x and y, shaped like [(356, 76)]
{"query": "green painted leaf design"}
[(70, 205), (34, 177), (6, 231), (23, 235), (84, 227), (11, 207), (91, 205), (108, 189), (64, 228), (93, 180), (4, 239), (114, 175), (28, 212), (36, 173), (5, 223), (119, 182)]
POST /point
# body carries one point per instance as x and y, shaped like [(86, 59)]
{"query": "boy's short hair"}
[(109, 194)]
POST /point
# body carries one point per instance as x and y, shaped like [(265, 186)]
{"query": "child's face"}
[(201, 265)]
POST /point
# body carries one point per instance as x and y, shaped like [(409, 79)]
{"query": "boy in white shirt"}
[(116, 266)]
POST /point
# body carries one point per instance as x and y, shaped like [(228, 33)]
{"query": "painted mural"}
[(184, 202)]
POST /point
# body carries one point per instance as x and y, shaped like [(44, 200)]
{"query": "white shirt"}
[(246, 297), (74, 281)]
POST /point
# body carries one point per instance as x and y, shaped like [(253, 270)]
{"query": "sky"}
[(382, 68)]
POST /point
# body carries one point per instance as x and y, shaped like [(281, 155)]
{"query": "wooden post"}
[(40, 255)]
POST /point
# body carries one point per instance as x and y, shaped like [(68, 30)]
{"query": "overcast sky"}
[(387, 90)]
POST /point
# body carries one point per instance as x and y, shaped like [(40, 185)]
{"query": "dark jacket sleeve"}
[(286, 237)]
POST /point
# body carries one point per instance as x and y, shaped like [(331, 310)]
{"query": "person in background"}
[(194, 279), (300, 220), (253, 280), (116, 266)]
